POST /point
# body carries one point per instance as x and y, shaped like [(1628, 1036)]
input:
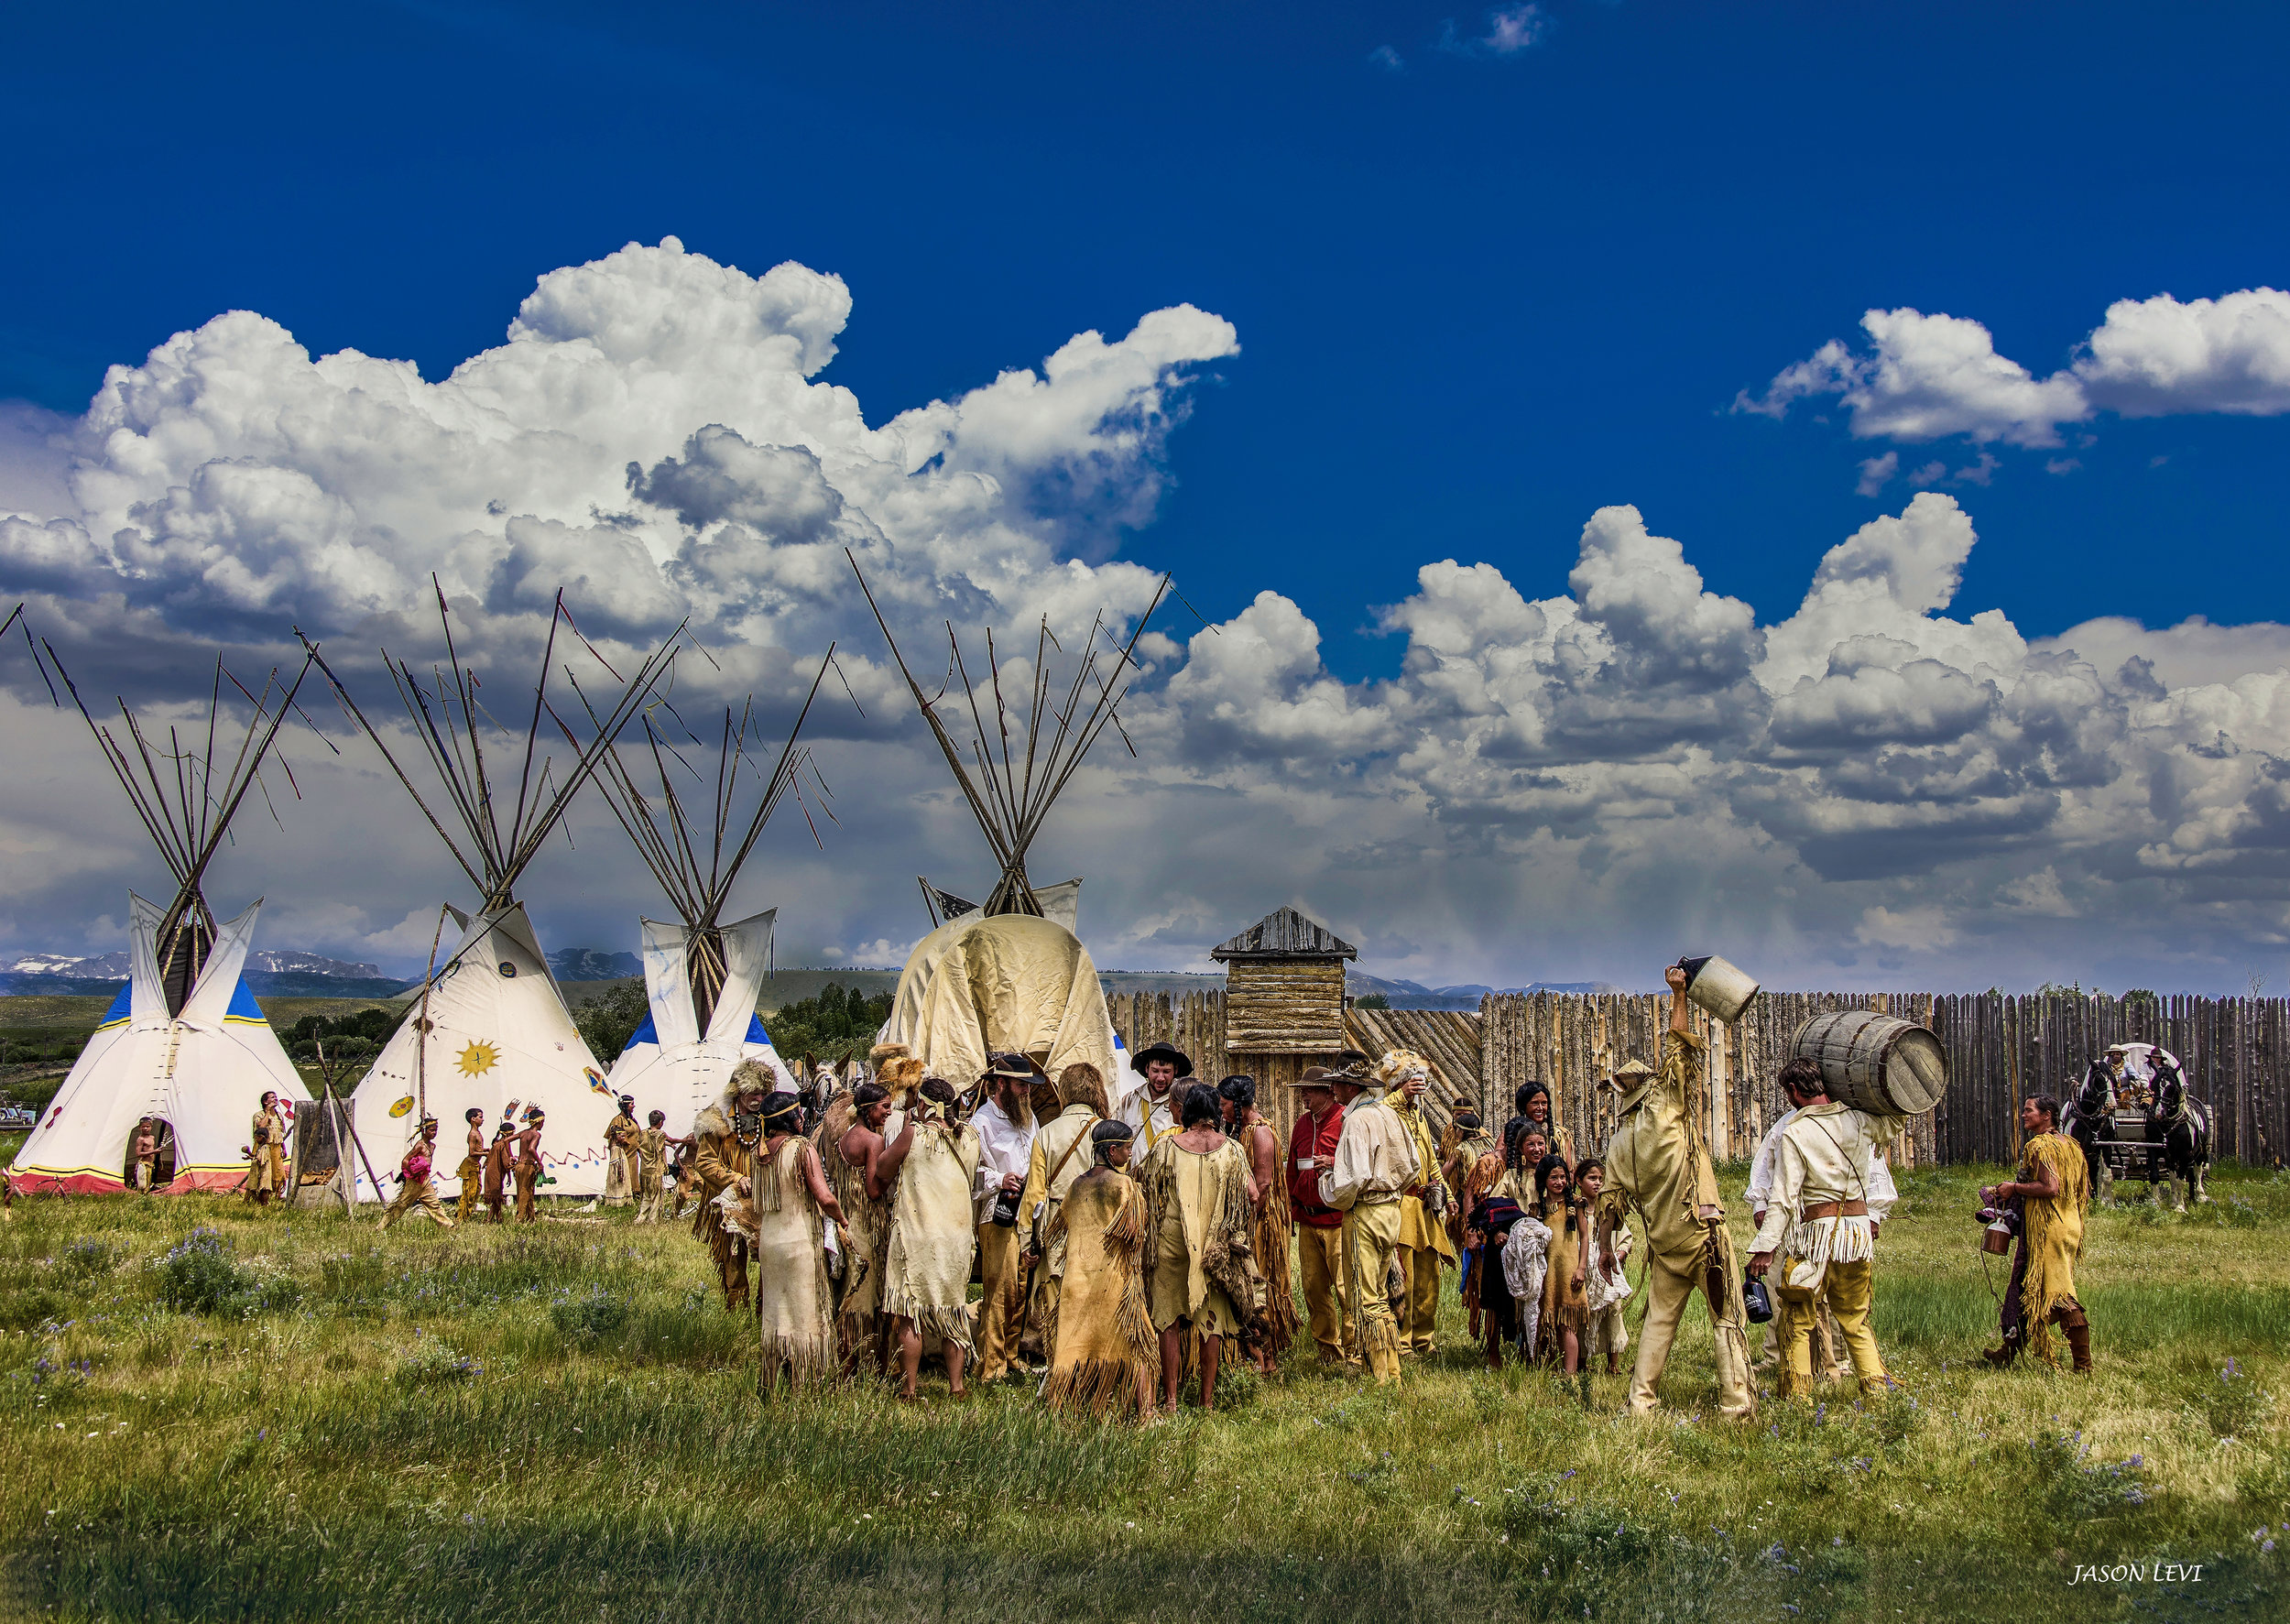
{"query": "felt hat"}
[(1314, 1077), (1162, 1051), (1009, 1065), (1631, 1080)]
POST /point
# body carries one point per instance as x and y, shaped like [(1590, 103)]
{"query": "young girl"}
[(1565, 1306), (1603, 1271), (1524, 1147)]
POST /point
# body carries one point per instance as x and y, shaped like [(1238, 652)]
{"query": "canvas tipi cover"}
[(203, 1072), (1009, 982), (670, 1064), (498, 1030)]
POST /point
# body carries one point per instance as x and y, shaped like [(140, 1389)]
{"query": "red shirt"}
[(1312, 1137)]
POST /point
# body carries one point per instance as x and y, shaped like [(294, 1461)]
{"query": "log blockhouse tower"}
[(1284, 1006)]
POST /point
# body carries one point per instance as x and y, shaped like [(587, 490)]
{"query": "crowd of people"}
[(1126, 1238)]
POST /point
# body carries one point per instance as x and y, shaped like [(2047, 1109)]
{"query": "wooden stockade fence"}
[(2001, 1048)]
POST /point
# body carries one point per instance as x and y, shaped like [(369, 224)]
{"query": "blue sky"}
[(1478, 297), (1490, 270)]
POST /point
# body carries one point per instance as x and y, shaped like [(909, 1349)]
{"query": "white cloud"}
[(1934, 377), (1567, 776), (1876, 473), (1389, 61), (1919, 930)]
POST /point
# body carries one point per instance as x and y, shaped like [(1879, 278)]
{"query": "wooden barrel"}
[(1875, 1063)]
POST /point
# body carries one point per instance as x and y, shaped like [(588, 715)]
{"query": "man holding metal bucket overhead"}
[(1661, 1166)]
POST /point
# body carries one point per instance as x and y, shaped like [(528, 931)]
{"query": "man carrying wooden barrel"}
[(1818, 1221), (1662, 1167)]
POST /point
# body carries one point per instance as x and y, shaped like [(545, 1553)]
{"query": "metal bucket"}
[(1723, 990), (1875, 1063)]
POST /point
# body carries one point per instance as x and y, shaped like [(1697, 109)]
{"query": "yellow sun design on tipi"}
[(478, 1058)]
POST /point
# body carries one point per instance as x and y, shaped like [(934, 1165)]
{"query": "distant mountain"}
[(108, 967), (1414, 995), (589, 963), (281, 972)]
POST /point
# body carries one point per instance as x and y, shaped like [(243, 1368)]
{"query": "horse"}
[(2184, 1125), (2085, 1115)]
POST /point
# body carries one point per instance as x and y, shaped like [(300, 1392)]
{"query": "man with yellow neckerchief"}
[(1425, 1242), (1151, 1110)]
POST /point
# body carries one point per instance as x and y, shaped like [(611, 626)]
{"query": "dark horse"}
[(2089, 1113), (2182, 1124)]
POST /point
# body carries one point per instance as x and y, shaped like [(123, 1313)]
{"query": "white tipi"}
[(184, 1043), (701, 977), (671, 1063), (490, 1025)]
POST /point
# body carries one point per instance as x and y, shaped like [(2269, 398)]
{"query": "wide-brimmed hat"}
[(1314, 1077), (1162, 1051), (1010, 1066)]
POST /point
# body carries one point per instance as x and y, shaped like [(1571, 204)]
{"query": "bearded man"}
[(1661, 1166), (1005, 1132)]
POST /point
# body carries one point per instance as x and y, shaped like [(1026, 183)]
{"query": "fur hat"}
[(1398, 1064), (902, 1071), (883, 1051), (751, 1077)]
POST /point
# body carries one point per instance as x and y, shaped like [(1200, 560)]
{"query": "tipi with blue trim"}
[(184, 1043)]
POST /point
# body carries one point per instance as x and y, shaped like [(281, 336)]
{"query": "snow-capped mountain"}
[(589, 963)]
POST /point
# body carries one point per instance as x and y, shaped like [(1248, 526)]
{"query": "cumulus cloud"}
[(1568, 776), (1927, 377)]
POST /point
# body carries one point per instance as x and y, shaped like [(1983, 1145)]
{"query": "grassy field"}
[(561, 1422)]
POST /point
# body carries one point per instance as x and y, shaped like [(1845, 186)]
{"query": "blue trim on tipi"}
[(756, 1034), (647, 1034), (122, 1008), (243, 1006)]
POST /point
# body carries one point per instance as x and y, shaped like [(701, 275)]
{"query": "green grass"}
[(556, 1422)]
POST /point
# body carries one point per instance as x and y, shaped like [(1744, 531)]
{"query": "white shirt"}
[(1824, 1156), (1004, 1149), (1877, 1176)]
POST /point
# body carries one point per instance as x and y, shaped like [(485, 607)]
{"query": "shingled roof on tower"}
[(1285, 935)]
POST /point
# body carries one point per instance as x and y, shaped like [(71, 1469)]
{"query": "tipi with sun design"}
[(490, 1028)]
